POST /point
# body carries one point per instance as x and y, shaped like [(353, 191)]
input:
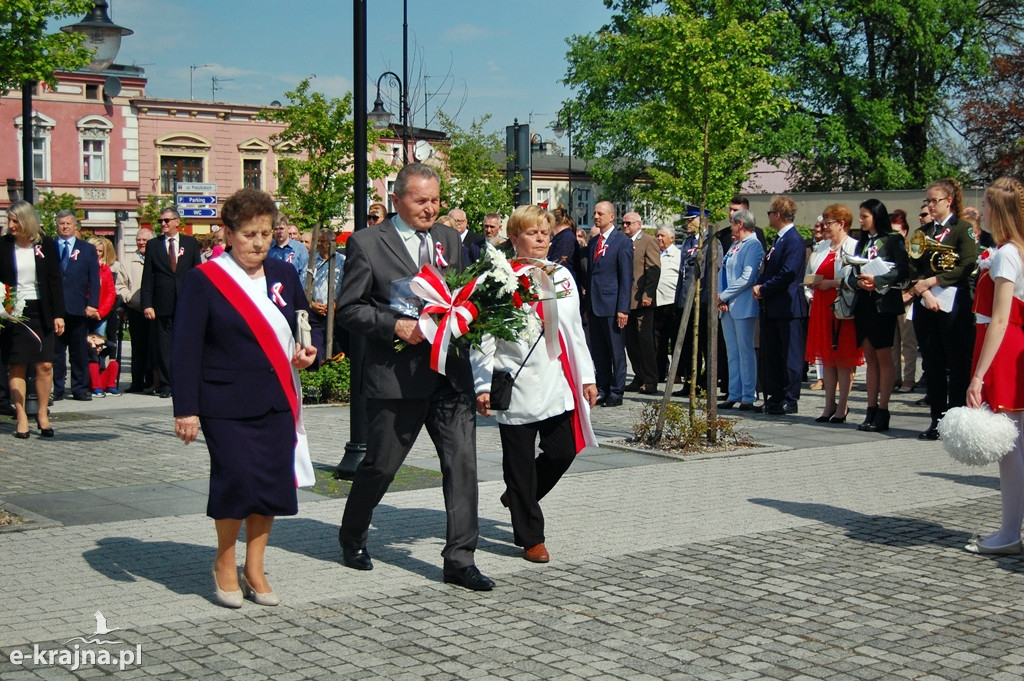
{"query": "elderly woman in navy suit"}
[(30, 266), (551, 396), (738, 309), (235, 373)]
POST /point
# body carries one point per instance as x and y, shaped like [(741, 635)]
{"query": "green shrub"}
[(683, 433), (329, 384)]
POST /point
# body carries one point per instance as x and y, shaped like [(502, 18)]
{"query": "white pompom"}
[(977, 437)]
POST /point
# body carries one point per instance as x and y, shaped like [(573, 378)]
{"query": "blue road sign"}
[(187, 199), (198, 212)]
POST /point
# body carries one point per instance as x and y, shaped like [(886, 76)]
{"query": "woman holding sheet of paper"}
[(879, 304)]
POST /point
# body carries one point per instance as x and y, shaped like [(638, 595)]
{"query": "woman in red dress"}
[(832, 341), (999, 363)]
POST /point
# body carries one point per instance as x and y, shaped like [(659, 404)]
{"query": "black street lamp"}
[(381, 117), (560, 130)]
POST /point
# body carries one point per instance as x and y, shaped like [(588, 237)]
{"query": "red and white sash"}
[(274, 335)]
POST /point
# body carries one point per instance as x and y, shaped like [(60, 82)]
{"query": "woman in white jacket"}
[(552, 394)]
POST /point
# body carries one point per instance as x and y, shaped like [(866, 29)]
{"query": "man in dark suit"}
[(609, 289), (81, 273), (403, 392), (784, 307), (640, 328), (472, 242), (168, 259)]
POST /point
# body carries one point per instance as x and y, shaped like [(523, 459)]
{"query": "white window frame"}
[(542, 195), (42, 129), (95, 129)]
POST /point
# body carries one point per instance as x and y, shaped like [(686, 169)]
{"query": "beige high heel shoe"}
[(229, 599), (269, 598)]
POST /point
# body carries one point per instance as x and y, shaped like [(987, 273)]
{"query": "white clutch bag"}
[(304, 332)]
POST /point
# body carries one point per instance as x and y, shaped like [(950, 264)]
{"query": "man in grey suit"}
[(403, 393)]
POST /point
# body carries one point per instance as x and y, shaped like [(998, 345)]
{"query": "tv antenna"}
[(191, 70), (213, 86)]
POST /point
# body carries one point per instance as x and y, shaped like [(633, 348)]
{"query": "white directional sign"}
[(197, 188)]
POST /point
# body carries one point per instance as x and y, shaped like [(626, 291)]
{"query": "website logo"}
[(89, 653)]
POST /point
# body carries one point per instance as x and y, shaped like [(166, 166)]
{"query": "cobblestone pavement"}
[(828, 554)]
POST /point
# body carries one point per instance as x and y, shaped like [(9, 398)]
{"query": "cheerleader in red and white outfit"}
[(999, 352)]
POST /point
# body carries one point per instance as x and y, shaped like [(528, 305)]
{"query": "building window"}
[(174, 169), (42, 127), (94, 161), (92, 91), (252, 173), (544, 198)]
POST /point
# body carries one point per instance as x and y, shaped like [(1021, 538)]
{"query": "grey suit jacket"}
[(375, 257)]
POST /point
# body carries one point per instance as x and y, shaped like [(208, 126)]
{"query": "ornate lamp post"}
[(382, 117)]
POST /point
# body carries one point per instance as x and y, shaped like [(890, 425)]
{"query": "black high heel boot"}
[(869, 418), (45, 432), (880, 423)]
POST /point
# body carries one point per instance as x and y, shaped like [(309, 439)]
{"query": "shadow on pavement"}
[(986, 481), (875, 529)]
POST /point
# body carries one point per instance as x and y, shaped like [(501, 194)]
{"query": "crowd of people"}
[(223, 325)]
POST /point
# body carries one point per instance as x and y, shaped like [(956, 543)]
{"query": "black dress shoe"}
[(728, 404), (600, 400), (632, 387), (57, 397), (355, 558), (648, 389), (747, 406), (789, 408), (22, 436), (165, 393), (923, 402), (612, 401), (774, 409), (83, 397), (930, 434), (469, 577), (682, 392), (135, 389)]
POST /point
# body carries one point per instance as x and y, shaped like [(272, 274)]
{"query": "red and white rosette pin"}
[(456, 309)]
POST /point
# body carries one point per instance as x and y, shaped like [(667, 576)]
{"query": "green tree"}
[(875, 84), (317, 182), (149, 212), (675, 98), (27, 52), (472, 180), (51, 203)]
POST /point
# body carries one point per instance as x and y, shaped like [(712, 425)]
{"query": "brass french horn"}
[(942, 258)]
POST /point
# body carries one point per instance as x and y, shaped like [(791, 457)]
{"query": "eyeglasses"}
[(164, 221), (630, 222), (922, 214), (373, 217), (932, 202), (832, 222), (772, 212)]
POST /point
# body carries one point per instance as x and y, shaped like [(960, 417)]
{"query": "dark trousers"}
[(640, 346), (391, 432), (161, 342), (608, 349), (947, 344), (142, 368), (782, 351), (666, 328), (70, 346), (529, 478)]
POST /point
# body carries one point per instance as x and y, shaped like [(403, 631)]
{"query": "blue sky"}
[(480, 56)]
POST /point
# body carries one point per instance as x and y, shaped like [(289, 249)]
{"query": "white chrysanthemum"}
[(534, 327), (501, 270), (977, 437), (986, 258)]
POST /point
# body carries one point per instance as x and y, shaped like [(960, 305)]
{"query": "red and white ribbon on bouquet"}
[(456, 309)]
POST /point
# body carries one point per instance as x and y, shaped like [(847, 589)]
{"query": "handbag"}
[(846, 298), (502, 382)]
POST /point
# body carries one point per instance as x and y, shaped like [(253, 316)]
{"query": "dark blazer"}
[(782, 277), (374, 258), (959, 237), (160, 284), (48, 278), (610, 284), (893, 248), (218, 368), (472, 246), (81, 278)]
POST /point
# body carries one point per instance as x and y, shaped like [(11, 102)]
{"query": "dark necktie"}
[(172, 252), (65, 255), (424, 249)]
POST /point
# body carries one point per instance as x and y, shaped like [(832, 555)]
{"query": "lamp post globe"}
[(102, 35)]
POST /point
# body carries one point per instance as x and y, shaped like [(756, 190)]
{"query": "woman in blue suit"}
[(738, 309), (234, 371)]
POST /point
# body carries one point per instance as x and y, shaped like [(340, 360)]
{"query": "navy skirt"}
[(251, 466)]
